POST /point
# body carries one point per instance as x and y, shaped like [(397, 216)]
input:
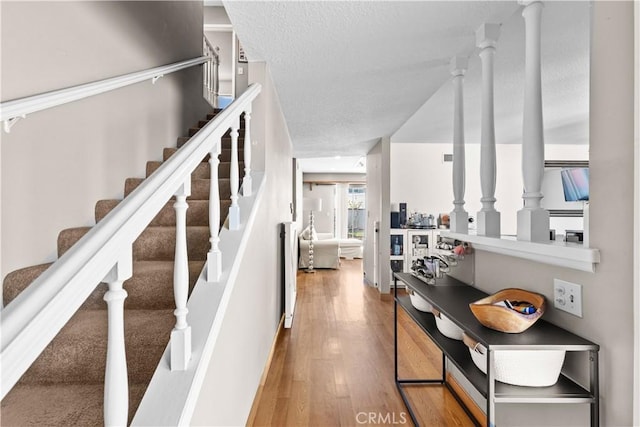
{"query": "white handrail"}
[(33, 319), (12, 110)]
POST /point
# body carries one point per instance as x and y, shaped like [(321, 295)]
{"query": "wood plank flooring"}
[(335, 366)]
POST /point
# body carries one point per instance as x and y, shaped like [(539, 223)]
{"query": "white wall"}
[(342, 210), (636, 279), (374, 205), (378, 209), (335, 177), (216, 15), (423, 180), (223, 40), (323, 221), (298, 193), (57, 163), (254, 310)]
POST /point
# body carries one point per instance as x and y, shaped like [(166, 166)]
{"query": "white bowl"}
[(418, 302), (447, 327), (529, 368)]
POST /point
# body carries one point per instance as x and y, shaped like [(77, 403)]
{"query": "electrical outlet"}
[(567, 296)]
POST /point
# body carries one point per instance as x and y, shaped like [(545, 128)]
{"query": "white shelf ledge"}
[(563, 254)]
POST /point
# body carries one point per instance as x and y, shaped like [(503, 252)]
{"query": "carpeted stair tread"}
[(226, 141), (225, 155), (16, 281), (154, 244), (203, 171), (197, 213), (78, 353), (158, 243), (61, 405), (68, 237), (199, 188), (150, 287)]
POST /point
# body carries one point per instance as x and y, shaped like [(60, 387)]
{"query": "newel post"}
[(214, 257), (116, 384), (488, 217), (459, 217), (533, 220), (181, 333), (234, 209), (247, 184)]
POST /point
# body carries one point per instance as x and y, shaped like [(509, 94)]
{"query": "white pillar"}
[(214, 257), (246, 181), (488, 218), (116, 385), (459, 218), (181, 333), (234, 209), (533, 220)]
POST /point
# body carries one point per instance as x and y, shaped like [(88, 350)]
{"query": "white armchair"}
[(326, 251)]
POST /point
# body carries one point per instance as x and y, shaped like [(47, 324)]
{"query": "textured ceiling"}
[(565, 85), (348, 73)]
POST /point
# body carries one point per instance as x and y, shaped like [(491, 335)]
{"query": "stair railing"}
[(211, 80), (104, 254), (12, 111)]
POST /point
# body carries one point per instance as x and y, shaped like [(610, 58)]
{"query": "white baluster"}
[(246, 181), (234, 209), (116, 386), (459, 218), (214, 257), (215, 78), (181, 333), (488, 217), (533, 220)]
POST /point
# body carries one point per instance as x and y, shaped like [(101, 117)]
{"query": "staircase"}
[(65, 385)]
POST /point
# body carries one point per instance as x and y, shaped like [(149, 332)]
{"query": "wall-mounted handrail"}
[(11, 111), (35, 317)]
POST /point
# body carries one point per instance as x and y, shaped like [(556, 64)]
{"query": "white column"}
[(181, 333), (116, 385), (234, 209), (488, 218), (533, 220), (246, 181), (214, 257), (459, 218)]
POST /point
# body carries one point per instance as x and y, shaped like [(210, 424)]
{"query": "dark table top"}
[(453, 297)]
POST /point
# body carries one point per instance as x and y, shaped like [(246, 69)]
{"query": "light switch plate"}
[(567, 296)]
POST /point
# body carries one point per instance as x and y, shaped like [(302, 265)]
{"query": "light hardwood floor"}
[(335, 366)]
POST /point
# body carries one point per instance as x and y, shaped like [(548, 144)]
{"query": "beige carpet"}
[(65, 385)]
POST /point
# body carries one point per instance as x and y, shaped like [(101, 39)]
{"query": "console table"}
[(452, 297)]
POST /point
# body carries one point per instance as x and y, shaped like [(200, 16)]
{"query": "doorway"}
[(356, 211)]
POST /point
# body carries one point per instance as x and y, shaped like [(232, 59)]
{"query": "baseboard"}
[(386, 297), (265, 373), (471, 404)]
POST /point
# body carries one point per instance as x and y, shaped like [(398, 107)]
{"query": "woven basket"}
[(446, 326), (418, 302), (530, 368), (504, 319)]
